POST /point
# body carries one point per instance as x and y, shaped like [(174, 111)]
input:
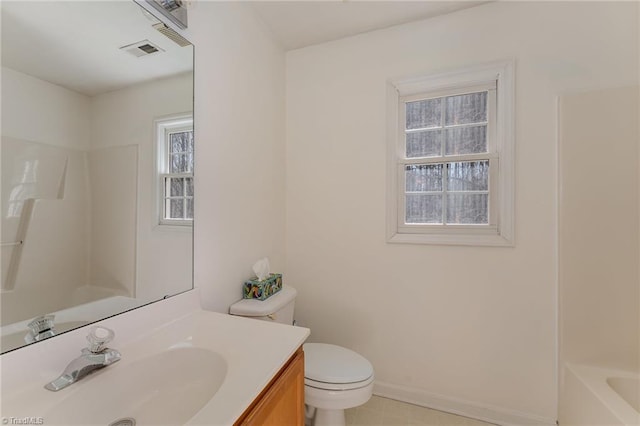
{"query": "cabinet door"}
[(283, 402)]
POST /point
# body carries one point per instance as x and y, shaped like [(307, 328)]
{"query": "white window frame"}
[(163, 127), (498, 80)]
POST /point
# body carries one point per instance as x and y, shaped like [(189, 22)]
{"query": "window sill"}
[(173, 227), (490, 240)]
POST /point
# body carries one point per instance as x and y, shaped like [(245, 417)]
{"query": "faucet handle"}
[(40, 328), (98, 337), (41, 324)]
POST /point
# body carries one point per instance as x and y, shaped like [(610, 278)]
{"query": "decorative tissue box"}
[(261, 290)]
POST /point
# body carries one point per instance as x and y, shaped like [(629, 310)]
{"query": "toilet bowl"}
[(335, 378)]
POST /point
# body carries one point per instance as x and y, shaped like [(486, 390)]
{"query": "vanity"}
[(180, 365)]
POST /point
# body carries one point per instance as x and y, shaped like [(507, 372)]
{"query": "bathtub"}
[(599, 397)]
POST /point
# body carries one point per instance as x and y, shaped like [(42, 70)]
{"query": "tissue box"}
[(261, 290)]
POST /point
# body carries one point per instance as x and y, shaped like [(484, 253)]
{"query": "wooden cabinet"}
[(281, 403)]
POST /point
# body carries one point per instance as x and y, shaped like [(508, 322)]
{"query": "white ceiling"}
[(75, 44), (302, 23)]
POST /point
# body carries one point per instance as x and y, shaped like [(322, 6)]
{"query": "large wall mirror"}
[(97, 164)]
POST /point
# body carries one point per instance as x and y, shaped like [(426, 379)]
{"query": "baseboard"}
[(490, 414)]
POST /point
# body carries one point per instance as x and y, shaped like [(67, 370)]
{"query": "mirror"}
[(97, 164)]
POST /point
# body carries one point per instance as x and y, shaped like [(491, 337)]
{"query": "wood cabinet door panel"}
[(282, 404)]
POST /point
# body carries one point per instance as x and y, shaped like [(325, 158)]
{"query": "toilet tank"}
[(277, 308)]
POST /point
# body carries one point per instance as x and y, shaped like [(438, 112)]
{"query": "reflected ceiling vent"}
[(142, 48), (171, 34)]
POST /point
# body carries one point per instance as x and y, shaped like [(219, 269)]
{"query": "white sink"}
[(167, 388)]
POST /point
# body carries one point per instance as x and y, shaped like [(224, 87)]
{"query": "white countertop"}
[(254, 351)]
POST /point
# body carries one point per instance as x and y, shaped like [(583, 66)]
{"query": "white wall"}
[(42, 159), (239, 170), (125, 118), (113, 172), (598, 238), (464, 328), (63, 115)]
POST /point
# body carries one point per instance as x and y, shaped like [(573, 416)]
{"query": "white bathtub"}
[(598, 396)]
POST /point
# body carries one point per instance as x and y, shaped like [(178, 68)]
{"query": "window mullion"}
[(449, 159), (184, 199), (445, 189), (176, 175), (491, 121), (402, 189), (167, 151), (444, 165), (494, 170)]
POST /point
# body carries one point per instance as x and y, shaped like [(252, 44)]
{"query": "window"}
[(175, 170), (451, 158)]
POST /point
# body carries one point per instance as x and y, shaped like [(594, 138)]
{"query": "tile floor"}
[(388, 412)]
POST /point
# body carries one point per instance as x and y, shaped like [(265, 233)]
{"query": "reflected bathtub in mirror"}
[(92, 223)]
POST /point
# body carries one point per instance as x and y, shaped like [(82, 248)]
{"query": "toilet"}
[(335, 378)]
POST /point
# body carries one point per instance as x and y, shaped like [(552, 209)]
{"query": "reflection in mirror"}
[(96, 219)]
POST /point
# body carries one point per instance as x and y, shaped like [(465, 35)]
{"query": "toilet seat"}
[(332, 367), (338, 386)]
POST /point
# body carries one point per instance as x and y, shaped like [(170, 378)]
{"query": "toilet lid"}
[(334, 364)]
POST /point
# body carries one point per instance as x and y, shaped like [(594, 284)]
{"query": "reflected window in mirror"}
[(175, 170)]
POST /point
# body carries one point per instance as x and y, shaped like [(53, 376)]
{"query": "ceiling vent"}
[(142, 48), (171, 34)]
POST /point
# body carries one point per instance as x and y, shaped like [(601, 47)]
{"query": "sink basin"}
[(167, 388)]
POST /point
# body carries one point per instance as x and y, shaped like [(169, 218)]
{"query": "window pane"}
[(423, 177), (466, 140), (189, 162), (178, 163), (188, 187), (424, 144), (177, 187), (177, 208), (422, 208), (189, 208), (462, 109), (190, 141), (468, 176), (468, 208), (425, 113), (178, 141)]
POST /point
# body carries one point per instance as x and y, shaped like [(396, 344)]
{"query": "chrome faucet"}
[(40, 328), (94, 357)]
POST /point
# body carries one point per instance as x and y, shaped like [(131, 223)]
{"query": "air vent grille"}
[(142, 48), (147, 48)]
